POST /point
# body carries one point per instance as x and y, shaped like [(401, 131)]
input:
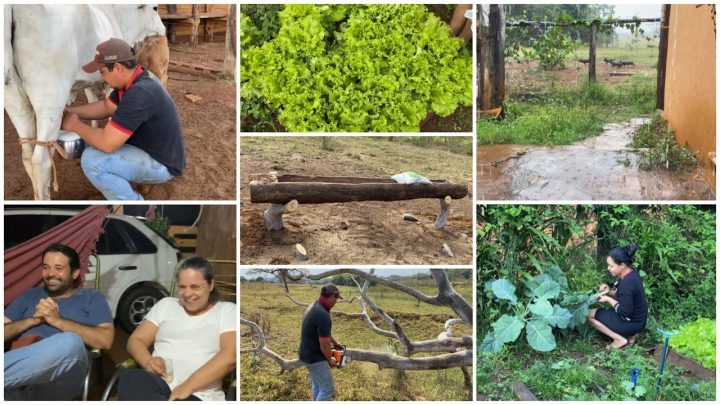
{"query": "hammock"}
[(23, 262)]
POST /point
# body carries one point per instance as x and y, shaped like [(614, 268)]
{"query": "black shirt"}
[(147, 112), (316, 323), (630, 295)]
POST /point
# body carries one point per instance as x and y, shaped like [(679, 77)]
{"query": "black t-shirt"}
[(632, 304), (316, 323), (146, 111)]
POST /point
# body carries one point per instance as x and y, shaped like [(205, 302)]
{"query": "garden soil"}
[(597, 168), (209, 133), (367, 232)]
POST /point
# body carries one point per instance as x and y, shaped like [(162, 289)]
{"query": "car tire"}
[(135, 304)]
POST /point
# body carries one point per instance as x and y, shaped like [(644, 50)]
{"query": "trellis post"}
[(491, 56), (593, 45)]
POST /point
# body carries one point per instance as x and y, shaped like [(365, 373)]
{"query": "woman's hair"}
[(201, 264), (623, 254)]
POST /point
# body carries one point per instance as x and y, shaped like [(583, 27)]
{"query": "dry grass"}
[(265, 303)]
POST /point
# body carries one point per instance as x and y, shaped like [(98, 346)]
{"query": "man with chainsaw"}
[(317, 343)]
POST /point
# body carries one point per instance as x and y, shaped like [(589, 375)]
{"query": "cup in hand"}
[(168, 376)]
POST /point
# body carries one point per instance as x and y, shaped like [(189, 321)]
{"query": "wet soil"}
[(598, 168), (209, 133)]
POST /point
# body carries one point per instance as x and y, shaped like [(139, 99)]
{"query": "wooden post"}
[(662, 57), (195, 24), (230, 48), (172, 10), (444, 212), (593, 45), (273, 215), (491, 56)]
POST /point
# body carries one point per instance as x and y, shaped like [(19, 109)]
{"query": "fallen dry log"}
[(319, 193)]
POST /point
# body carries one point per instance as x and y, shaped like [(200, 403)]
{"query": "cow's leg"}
[(48, 128), (21, 114)]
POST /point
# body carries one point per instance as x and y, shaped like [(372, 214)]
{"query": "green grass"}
[(640, 54), (581, 370), (265, 303), (567, 115)]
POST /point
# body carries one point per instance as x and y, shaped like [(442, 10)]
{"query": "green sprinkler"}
[(661, 368)]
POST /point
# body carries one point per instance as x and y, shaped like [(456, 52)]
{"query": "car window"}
[(21, 228), (121, 237)]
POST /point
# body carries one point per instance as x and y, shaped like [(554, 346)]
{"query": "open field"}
[(265, 304)]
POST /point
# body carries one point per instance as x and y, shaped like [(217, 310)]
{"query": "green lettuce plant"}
[(359, 68), (697, 341), (544, 305)]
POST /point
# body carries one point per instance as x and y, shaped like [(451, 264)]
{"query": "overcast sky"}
[(637, 10)]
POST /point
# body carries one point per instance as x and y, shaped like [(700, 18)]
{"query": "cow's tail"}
[(13, 83), (11, 75), (7, 45)]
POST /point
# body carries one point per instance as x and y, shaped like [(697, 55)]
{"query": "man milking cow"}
[(142, 142)]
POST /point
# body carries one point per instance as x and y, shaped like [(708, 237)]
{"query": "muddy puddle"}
[(598, 168)]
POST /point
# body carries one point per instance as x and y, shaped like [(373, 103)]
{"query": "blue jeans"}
[(323, 386), (51, 369), (112, 173)]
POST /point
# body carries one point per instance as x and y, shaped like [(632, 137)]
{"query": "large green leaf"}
[(557, 275), (548, 289), (507, 328), (541, 308), (504, 290), (559, 318), (539, 336), (490, 344), (579, 314)]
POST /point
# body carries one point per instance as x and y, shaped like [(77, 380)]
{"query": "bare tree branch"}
[(262, 348), (383, 360), (447, 296)]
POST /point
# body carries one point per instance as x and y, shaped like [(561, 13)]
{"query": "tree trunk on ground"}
[(318, 193)]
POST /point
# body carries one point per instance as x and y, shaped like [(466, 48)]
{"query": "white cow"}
[(45, 48)]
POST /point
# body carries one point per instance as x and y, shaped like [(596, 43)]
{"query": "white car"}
[(137, 265)]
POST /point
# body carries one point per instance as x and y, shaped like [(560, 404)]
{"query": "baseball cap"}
[(330, 289), (111, 51)]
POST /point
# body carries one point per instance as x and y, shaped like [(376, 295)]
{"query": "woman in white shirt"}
[(193, 337)]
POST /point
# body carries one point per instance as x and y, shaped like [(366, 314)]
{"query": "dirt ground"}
[(209, 132), (525, 80), (368, 232)]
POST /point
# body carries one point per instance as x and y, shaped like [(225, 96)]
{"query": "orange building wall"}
[(690, 81)]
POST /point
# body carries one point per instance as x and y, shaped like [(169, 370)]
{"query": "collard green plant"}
[(697, 341), (359, 68), (545, 304)]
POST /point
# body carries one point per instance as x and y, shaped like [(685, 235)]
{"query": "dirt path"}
[(599, 168), (210, 141), (367, 232)]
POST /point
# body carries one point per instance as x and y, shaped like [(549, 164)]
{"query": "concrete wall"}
[(690, 80)]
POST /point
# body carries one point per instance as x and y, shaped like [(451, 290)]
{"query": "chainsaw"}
[(338, 353)]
